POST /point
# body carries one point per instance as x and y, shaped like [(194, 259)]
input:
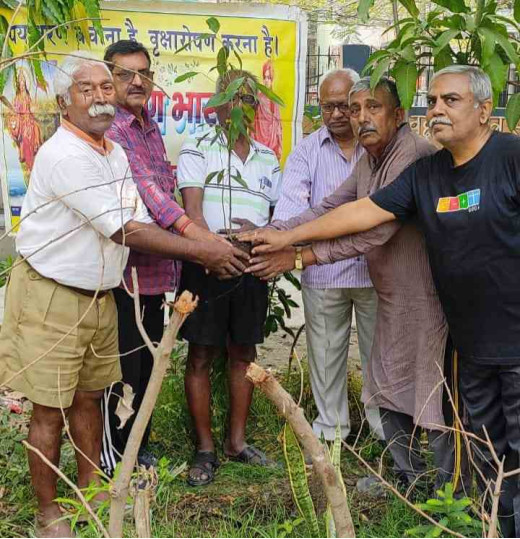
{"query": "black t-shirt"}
[(470, 216)]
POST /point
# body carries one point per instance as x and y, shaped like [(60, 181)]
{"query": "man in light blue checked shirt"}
[(314, 170)]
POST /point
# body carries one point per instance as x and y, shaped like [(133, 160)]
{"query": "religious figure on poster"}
[(268, 125), (22, 125)]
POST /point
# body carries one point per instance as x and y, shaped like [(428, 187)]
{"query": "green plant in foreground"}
[(455, 32), (298, 479), (449, 512), (313, 114), (5, 270), (280, 305), (335, 458)]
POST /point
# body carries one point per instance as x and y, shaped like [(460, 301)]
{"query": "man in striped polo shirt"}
[(230, 314)]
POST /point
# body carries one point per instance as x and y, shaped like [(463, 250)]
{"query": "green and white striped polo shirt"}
[(261, 172)]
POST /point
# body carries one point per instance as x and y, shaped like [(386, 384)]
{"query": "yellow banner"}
[(269, 46)]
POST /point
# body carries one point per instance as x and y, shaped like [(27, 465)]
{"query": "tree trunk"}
[(143, 526), (181, 309)]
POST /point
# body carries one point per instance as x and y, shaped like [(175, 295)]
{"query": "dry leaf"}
[(124, 408)]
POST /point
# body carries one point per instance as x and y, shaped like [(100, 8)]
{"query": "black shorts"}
[(235, 308)]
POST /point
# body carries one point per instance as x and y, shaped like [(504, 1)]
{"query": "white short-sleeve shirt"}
[(261, 173), (76, 200)]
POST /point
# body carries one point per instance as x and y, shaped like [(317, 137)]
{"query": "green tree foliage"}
[(454, 32), (74, 14)]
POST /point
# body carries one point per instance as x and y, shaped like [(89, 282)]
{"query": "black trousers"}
[(403, 439), (491, 395), (136, 368)]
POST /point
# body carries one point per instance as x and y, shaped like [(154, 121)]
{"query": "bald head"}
[(334, 90), (342, 74)]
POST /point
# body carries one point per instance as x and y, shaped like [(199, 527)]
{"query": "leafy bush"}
[(450, 512)]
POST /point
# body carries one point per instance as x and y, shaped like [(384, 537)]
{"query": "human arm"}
[(397, 200), (268, 265), (192, 198), (110, 206), (294, 190), (220, 258), (330, 251), (349, 218), (346, 192)]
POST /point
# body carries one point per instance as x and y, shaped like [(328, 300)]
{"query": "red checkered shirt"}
[(155, 182)]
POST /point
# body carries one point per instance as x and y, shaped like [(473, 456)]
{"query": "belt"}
[(89, 293), (82, 291)]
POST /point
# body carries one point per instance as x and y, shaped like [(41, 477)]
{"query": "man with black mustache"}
[(140, 137), (404, 374)]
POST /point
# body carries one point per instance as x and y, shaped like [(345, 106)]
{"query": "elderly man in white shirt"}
[(59, 340)]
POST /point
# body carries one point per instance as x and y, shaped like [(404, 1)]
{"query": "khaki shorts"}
[(44, 316)]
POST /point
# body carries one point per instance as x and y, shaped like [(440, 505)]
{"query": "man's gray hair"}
[(352, 74), (362, 85), (479, 81), (224, 80), (64, 77)]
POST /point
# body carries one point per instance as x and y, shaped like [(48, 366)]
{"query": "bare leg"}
[(240, 396), (198, 392), (86, 428), (45, 434)]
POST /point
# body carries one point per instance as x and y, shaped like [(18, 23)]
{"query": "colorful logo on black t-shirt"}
[(466, 201)]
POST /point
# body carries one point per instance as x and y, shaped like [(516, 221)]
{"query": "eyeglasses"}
[(128, 76), (328, 108), (249, 99)]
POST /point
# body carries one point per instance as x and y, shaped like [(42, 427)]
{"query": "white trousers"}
[(328, 319)]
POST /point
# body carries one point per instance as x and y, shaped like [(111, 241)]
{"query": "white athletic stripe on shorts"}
[(108, 455)]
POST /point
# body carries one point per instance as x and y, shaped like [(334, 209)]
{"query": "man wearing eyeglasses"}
[(140, 137), (314, 170)]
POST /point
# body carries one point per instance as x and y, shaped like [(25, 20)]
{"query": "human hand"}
[(267, 240), (268, 266), (245, 225), (222, 259), (199, 233)]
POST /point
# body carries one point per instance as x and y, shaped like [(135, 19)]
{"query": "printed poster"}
[(271, 41)]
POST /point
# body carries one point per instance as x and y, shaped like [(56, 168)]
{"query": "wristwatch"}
[(298, 261)]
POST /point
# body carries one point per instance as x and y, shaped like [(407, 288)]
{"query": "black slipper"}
[(251, 455), (205, 462)]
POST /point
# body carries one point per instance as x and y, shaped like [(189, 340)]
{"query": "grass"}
[(244, 501)]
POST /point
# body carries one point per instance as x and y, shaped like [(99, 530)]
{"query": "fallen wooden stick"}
[(268, 384)]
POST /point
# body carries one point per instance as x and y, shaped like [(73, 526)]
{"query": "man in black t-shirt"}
[(466, 199)]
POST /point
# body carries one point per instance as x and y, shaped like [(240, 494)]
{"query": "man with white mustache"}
[(59, 339), (404, 374)]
